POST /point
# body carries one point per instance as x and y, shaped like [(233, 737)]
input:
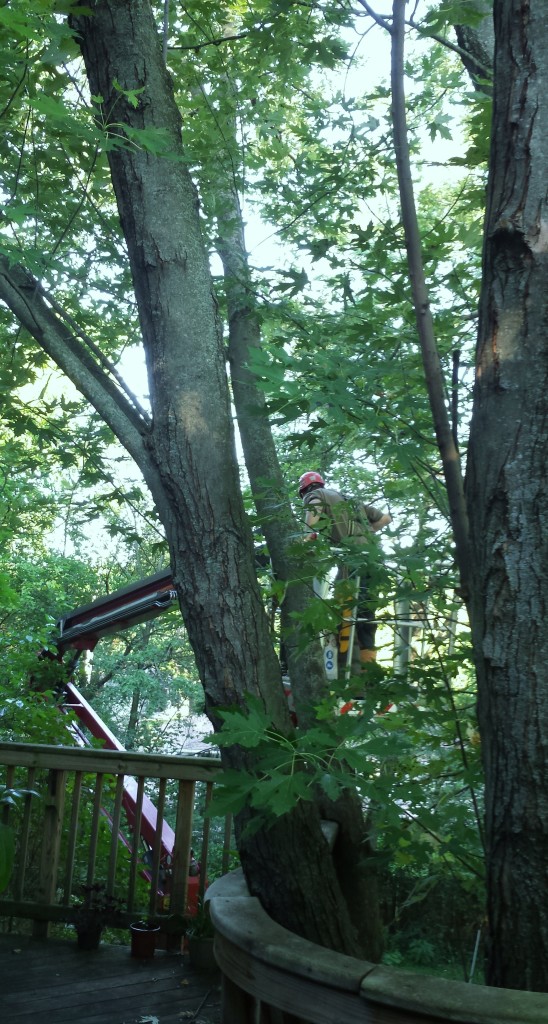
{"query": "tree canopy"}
[(140, 143)]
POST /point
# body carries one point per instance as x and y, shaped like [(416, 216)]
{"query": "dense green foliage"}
[(273, 104)]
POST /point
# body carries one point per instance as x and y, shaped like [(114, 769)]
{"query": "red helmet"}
[(310, 478)]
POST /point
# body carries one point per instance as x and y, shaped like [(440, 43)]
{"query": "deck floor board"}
[(56, 983)]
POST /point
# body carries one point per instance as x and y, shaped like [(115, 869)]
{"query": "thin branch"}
[(421, 303), (218, 41), (101, 358), (434, 835), (20, 160), (460, 739), (376, 17), (79, 205), (11, 98), (455, 397), (465, 55), (459, 50)]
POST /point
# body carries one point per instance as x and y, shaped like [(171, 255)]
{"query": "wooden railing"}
[(69, 834), (270, 974), (74, 832)]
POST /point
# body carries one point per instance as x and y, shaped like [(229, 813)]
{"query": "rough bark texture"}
[(357, 869), (195, 481), (507, 491), (281, 530), (477, 45), (353, 856)]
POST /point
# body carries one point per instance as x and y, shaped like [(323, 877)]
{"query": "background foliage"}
[(275, 103)]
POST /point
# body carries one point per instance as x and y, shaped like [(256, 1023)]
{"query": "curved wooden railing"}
[(271, 974), (75, 831)]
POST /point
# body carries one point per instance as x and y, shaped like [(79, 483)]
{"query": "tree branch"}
[(96, 351), (218, 41), (421, 301), (467, 57), (25, 298), (475, 64), (376, 17)]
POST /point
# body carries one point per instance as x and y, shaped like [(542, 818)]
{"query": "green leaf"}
[(233, 794), (245, 728), (280, 793), (131, 95), (331, 786)]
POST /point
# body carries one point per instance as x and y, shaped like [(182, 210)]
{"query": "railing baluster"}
[(115, 833), (157, 849), (135, 842), (205, 842), (51, 842), (72, 836), (181, 847), (10, 775), (97, 799), (23, 849)]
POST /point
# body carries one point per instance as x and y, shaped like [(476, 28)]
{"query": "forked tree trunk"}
[(282, 531), (507, 499), (353, 854), (190, 464)]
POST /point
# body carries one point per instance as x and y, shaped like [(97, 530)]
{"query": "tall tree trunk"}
[(353, 854), (133, 719), (433, 373), (507, 491), (192, 465), (281, 529)]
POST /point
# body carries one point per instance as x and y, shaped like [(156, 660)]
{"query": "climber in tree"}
[(346, 522)]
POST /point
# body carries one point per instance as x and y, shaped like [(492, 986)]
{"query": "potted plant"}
[(143, 938), (200, 935), (97, 909)]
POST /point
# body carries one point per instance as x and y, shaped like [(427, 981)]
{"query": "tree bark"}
[(190, 447), (507, 491), (133, 719), (477, 46), (353, 854), (433, 373), (282, 531)]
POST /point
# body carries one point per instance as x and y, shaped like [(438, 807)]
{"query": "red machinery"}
[(83, 627), (80, 630)]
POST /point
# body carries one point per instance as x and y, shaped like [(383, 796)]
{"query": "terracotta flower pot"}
[(143, 939)]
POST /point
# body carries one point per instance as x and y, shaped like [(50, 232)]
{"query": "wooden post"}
[(94, 835), (157, 849), (181, 847), (115, 834), (237, 1007), (72, 836), (205, 842), (135, 842), (22, 854), (51, 843)]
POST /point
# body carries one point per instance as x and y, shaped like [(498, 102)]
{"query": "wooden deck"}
[(56, 983)]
